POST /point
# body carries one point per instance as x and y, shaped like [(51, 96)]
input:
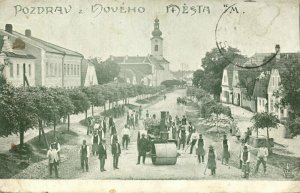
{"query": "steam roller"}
[(162, 149)]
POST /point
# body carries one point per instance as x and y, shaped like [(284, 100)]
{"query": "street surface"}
[(187, 166)]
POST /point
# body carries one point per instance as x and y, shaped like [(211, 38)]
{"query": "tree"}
[(63, 105), (17, 111), (213, 63), (290, 80), (197, 77), (170, 83), (266, 121), (106, 71), (80, 102)]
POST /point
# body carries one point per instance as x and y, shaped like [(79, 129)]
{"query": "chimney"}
[(9, 28), (277, 52), (28, 33)]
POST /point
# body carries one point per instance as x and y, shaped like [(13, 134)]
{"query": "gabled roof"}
[(257, 59), (47, 46), (14, 53), (261, 86)]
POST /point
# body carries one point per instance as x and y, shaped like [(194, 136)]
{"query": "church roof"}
[(261, 86), (139, 60)]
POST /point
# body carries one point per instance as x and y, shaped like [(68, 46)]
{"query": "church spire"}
[(156, 32)]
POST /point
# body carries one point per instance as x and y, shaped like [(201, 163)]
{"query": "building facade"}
[(20, 68), (88, 74), (55, 66), (149, 70)]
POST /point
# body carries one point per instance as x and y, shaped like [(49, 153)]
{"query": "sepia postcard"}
[(149, 96)]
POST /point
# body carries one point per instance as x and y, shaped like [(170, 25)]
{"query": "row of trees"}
[(25, 108), (210, 77)]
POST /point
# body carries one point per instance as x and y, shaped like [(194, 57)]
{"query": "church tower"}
[(157, 41)]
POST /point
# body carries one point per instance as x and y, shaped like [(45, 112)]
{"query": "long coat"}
[(211, 160), (143, 146), (200, 147), (102, 152), (114, 148)]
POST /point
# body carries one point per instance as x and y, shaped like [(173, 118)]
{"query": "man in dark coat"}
[(116, 152), (102, 155), (84, 156), (211, 160), (226, 149), (142, 148), (200, 149)]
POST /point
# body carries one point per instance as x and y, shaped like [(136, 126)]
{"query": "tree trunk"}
[(21, 136), (256, 132), (54, 126), (85, 114), (68, 122), (40, 133), (268, 143), (92, 110), (43, 133)]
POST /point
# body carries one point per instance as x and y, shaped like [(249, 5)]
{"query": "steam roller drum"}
[(164, 154)]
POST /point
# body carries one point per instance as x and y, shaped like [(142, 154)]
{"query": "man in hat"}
[(52, 156), (84, 156), (140, 112), (190, 129), (211, 160), (116, 152), (56, 146), (95, 142), (200, 149), (183, 121), (194, 138), (182, 137), (262, 156), (102, 155), (247, 135), (125, 137), (243, 144), (245, 157), (142, 148), (226, 149)]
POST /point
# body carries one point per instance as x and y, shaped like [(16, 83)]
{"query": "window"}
[(29, 69), (271, 105), (156, 48), (65, 69), (78, 70), (18, 69), (11, 70), (259, 102), (68, 70)]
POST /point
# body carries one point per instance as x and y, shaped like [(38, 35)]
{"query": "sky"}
[(257, 27)]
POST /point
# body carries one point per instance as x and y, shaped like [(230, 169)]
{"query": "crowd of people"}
[(180, 130)]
